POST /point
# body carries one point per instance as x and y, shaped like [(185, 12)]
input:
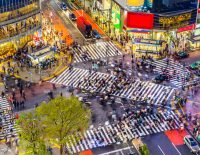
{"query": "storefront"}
[(194, 42), (148, 47), (41, 55)]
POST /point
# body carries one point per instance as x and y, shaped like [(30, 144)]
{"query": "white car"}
[(191, 144)]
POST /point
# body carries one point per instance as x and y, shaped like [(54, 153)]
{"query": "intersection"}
[(131, 97)]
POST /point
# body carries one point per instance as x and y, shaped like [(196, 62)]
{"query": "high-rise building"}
[(19, 20)]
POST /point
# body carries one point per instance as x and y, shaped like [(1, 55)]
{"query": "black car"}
[(160, 78), (72, 16), (96, 34), (63, 6), (197, 72), (181, 55)]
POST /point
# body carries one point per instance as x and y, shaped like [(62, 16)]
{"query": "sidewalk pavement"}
[(35, 75)]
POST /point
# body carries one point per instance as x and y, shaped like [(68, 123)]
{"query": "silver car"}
[(191, 144)]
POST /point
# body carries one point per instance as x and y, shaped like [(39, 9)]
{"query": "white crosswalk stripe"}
[(95, 51), (176, 70), (122, 131), (136, 90), (7, 122)]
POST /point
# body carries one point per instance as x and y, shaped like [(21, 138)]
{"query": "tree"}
[(63, 117), (144, 150), (31, 134)]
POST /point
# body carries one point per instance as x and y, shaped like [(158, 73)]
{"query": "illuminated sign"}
[(140, 5), (175, 20), (147, 41), (139, 20), (187, 28), (166, 22)]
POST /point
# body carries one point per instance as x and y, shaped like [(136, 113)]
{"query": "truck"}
[(84, 27)]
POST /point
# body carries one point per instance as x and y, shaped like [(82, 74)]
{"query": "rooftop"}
[(122, 3)]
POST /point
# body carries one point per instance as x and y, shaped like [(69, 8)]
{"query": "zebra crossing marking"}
[(121, 132), (95, 51), (171, 66), (136, 90), (7, 124)]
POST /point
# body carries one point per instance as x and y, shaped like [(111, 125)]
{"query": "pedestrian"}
[(36, 105), (21, 91), (17, 104), (22, 103), (24, 95), (2, 94)]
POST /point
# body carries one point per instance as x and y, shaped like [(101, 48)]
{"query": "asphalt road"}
[(123, 149), (159, 144), (193, 56), (74, 32)]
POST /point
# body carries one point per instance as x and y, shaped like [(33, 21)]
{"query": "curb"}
[(54, 75)]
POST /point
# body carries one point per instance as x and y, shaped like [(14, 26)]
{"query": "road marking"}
[(176, 148), (122, 152), (161, 150), (119, 150), (69, 19)]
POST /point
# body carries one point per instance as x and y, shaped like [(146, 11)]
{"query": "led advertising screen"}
[(140, 5), (139, 20)]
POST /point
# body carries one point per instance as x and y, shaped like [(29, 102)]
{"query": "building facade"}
[(152, 22), (19, 20)]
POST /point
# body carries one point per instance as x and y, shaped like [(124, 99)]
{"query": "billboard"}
[(167, 21), (140, 5), (139, 20)]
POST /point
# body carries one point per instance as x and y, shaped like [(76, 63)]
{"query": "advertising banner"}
[(167, 22), (186, 28), (140, 5), (140, 20)]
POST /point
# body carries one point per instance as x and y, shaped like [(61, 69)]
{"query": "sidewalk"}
[(35, 75)]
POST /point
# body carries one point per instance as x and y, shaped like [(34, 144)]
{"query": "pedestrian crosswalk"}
[(106, 83), (95, 51), (194, 82), (177, 72), (122, 131), (6, 120)]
